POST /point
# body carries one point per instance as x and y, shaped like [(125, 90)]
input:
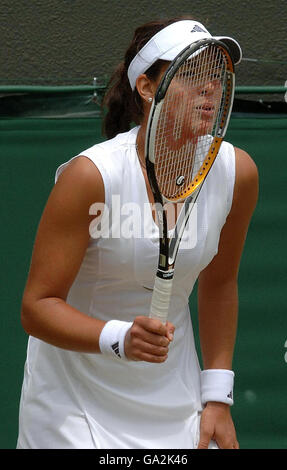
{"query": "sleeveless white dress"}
[(79, 400)]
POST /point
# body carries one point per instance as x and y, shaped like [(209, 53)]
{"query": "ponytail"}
[(117, 100)]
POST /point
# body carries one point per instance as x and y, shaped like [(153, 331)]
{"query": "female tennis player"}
[(100, 373)]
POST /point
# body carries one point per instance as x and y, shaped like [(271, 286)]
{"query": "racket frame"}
[(169, 245)]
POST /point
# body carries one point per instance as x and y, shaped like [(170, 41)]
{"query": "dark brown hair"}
[(124, 106)]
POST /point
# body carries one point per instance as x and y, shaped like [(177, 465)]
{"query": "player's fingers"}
[(204, 441), (170, 331), (147, 342), (150, 358), (141, 345), (206, 435), (227, 444), (152, 325), (227, 441), (138, 350), (149, 335)]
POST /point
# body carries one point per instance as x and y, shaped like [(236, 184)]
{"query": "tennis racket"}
[(187, 123)]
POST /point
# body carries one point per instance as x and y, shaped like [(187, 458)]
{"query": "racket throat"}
[(167, 257), (165, 274), (165, 268)]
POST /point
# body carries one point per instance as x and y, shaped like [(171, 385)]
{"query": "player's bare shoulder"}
[(81, 168), (246, 181), (83, 176), (246, 168)]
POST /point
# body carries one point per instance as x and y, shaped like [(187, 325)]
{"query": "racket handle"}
[(160, 299)]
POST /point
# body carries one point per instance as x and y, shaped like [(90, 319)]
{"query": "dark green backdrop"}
[(30, 151)]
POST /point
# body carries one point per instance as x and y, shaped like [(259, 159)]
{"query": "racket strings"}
[(189, 118)]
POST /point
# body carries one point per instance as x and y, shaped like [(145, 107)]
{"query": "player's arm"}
[(61, 243), (218, 297), (217, 288)]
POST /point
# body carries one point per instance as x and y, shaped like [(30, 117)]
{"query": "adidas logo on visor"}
[(197, 29)]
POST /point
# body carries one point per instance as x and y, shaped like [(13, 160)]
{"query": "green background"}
[(31, 148)]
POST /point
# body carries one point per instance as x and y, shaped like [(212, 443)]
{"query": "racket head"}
[(188, 119)]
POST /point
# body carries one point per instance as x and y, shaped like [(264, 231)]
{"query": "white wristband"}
[(112, 338), (217, 385)]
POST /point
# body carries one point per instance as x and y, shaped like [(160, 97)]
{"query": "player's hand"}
[(148, 340), (216, 424)]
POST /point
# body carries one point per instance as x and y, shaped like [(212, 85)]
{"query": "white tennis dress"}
[(89, 401)]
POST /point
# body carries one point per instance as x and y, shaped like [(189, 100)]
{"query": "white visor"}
[(170, 41)]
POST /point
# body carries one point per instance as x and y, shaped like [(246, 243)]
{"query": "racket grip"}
[(161, 299)]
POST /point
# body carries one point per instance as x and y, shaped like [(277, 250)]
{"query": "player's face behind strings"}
[(193, 99), (188, 114)]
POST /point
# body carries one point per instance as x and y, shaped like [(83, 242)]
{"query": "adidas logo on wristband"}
[(116, 349)]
